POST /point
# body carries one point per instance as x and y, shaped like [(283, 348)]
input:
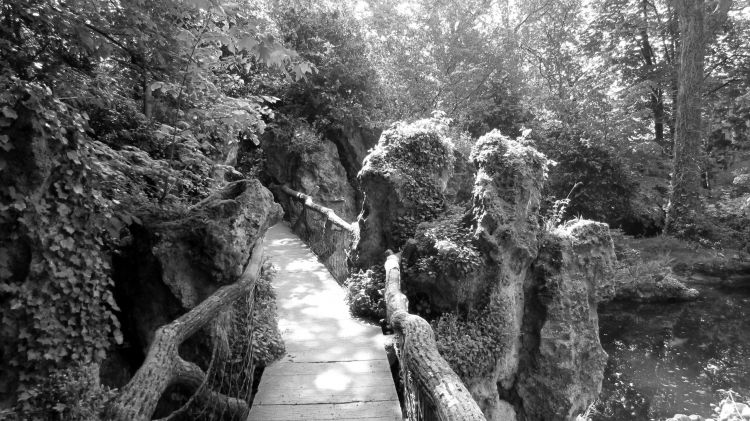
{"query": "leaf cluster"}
[(268, 345), (469, 345), (72, 394), (446, 248), (364, 293)]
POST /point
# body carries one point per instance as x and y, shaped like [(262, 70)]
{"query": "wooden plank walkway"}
[(336, 367)]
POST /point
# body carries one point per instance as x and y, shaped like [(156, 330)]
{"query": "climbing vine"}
[(56, 224)]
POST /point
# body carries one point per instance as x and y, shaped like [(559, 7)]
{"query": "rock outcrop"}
[(403, 180), (353, 144), (321, 175), (562, 361), (525, 299), (167, 267)]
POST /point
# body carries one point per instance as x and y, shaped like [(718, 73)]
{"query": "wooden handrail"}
[(308, 202), (435, 379), (163, 365)]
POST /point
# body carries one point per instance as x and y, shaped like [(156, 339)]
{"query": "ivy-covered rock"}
[(403, 180)]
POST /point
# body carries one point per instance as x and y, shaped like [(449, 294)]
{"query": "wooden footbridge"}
[(335, 367)]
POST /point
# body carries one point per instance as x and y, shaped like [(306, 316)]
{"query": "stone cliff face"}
[(533, 292)]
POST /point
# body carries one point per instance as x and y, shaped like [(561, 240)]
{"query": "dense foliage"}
[(110, 113), (268, 346)]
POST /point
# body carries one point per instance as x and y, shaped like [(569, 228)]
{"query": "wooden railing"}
[(432, 390), (164, 366), (308, 202), (328, 235)]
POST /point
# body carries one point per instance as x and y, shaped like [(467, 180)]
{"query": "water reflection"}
[(674, 358)]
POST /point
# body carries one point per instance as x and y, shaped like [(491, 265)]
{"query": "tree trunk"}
[(148, 97), (684, 206), (656, 102), (657, 107)]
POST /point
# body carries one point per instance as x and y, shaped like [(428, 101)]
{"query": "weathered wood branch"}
[(308, 202), (163, 365), (436, 381)]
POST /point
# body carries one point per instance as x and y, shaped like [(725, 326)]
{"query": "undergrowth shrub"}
[(73, 394), (365, 293), (268, 345), (446, 248)]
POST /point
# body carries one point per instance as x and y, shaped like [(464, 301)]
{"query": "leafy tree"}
[(448, 56)]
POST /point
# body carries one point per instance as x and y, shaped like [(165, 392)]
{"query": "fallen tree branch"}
[(434, 380), (163, 365), (308, 202)]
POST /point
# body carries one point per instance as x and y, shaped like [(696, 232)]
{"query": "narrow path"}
[(336, 367)]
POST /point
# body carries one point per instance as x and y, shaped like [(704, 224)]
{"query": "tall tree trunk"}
[(684, 206), (148, 97), (657, 107), (656, 102)]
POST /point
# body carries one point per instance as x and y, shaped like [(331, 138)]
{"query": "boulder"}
[(645, 289)]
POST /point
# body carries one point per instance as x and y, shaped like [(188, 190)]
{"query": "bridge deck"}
[(335, 367)]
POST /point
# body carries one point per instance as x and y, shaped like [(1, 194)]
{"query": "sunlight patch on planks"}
[(335, 367)]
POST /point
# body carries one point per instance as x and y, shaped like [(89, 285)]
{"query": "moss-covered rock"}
[(403, 180)]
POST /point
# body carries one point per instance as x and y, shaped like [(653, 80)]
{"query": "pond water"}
[(675, 357)]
